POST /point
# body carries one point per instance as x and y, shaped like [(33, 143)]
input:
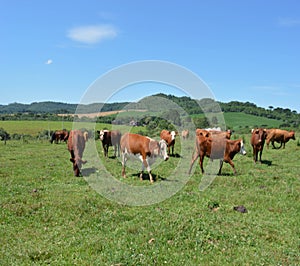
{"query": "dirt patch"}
[(92, 115)]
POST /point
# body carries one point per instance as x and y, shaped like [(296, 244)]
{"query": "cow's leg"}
[(255, 155), (142, 171), (147, 166), (232, 166), (173, 150), (104, 149), (260, 154), (201, 163), (273, 144), (194, 158), (221, 165), (118, 147), (115, 149), (124, 159)]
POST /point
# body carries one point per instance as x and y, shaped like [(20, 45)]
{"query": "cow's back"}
[(115, 137), (134, 143), (76, 142)]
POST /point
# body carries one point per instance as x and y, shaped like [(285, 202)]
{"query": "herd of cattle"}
[(214, 144)]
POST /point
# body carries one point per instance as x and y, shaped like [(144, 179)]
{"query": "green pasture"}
[(237, 121), (33, 128), (50, 217)]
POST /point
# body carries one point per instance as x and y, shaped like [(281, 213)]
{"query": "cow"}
[(217, 148), (110, 138), (169, 137), (59, 135), (76, 146), (280, 136), (145, 147), (185, 134), (202, 132), (257, 141), (211, 132)]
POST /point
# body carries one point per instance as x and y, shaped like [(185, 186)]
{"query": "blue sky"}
[(244, 50)]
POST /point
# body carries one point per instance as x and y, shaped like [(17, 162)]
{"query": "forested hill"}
[(191, 106), (57, 108)]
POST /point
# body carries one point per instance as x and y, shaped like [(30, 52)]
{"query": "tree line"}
[(163, 103)]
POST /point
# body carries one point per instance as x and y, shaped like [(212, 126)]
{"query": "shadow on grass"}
[(156, 177), (267, 162), (88, 171)]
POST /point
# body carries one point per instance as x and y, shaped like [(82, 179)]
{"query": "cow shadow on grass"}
[(156, 177), (175, 155), (267, 162), (88, 171)]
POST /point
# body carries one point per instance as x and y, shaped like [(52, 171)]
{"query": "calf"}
[(217, 148), (76, 146), (169, 137), (258, 141), (110, 138), (145, 147), (185, 134), (280, 136)]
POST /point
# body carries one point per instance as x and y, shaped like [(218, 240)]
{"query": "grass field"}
[(48, 216), (235, 121)]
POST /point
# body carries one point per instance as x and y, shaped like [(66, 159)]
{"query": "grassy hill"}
[(237, 121)]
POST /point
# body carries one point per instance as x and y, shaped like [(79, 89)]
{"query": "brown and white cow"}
[(145, 148), (217, 148), (110, 138), (279, 135), (185, 134), (76, 146), (257, 141), (169, 137)]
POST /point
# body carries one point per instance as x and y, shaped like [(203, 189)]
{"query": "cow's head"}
[(163, 149), (260, 133), (77, 164), (173, 134), (103, 134), (292, 135), (202, 132)]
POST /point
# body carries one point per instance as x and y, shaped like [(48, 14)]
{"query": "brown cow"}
[(110, 138), (258, 141), (145, 147), (280, 136), (169, 137), (59, 135), (217, 148), (185, 134), (76, 146), (210, 132)]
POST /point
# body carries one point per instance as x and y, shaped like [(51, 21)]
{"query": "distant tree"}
[(201, 122)]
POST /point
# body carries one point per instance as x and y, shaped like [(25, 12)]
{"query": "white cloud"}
[(49, 62), (92, 34), (289, 22)]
